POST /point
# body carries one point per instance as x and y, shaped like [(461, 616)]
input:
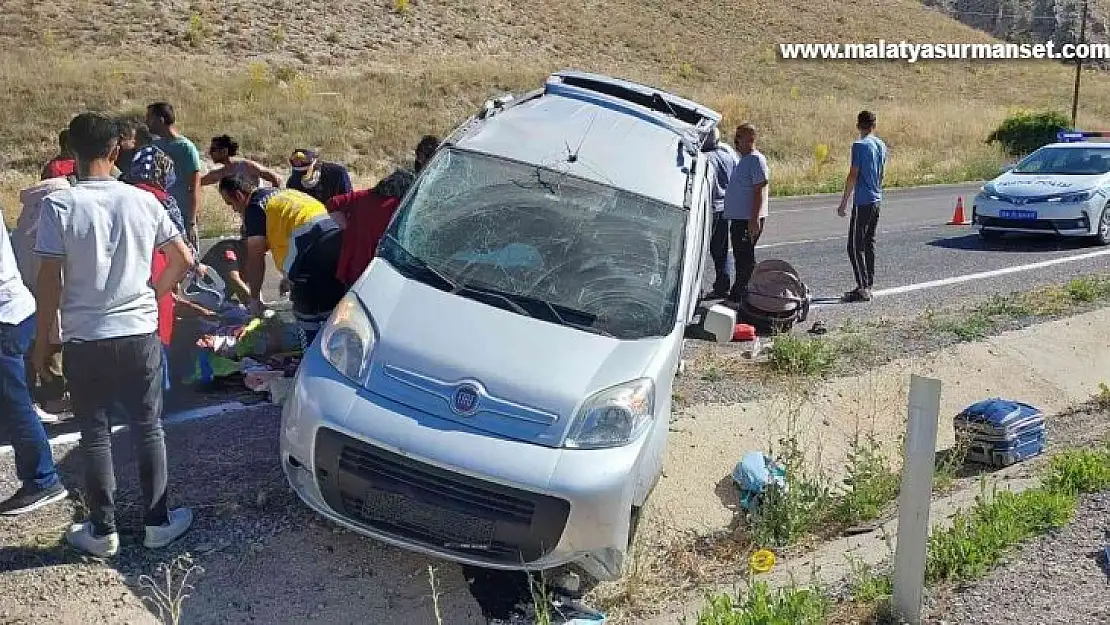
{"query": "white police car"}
[(1062, 188)]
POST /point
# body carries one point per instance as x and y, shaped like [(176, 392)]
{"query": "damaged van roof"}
[(596, 136)]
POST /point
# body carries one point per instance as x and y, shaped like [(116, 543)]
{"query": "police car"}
[(1062, 189)]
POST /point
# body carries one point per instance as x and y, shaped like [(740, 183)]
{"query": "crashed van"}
[(496, 387)]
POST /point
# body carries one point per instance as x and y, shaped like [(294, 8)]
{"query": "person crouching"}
[(304, 241)]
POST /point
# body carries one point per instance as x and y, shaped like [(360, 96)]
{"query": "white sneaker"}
[(181, 519), (81, 537), (45, 416)]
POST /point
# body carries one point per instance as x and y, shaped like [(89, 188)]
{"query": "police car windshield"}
[(1069, 161)]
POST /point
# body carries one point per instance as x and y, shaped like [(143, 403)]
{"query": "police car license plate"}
[(1023, 215)]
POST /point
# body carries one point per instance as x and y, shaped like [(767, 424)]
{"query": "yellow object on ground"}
[(762, 561)]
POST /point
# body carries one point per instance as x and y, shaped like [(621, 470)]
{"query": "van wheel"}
[(634, 524)]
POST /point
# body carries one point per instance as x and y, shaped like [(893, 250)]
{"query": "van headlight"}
[(348, 338), (613, 417)]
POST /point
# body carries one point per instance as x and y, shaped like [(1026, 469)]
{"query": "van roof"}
[(602, 129)]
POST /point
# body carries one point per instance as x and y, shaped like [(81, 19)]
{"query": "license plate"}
[(1023, 215)]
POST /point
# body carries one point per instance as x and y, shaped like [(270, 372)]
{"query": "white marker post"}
[(915, 497)]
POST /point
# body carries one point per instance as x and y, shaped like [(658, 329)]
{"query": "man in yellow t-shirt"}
[(304, 240)]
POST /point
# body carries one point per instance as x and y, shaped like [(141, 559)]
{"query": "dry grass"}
[(369, 79)]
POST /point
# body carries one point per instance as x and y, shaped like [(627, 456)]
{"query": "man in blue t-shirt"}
[(865, 181)]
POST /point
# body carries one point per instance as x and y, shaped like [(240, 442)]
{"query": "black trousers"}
[(861, 243), (123, 373), (315, 288), (743, 252), (718, 251)]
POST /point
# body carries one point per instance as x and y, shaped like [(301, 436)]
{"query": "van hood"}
[(531, 376), (1037, 185)]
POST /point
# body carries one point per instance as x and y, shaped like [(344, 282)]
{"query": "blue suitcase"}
[(1000, 432)]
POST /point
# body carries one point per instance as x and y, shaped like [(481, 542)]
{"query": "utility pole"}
[(1079, 64)]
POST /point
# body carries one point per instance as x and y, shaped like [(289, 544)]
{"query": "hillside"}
[(1031, 20), (363, 80)]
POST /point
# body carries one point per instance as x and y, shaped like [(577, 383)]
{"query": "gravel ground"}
[(265, 557), (1061, 578)]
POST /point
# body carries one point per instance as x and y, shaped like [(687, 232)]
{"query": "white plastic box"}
[(720, 321)]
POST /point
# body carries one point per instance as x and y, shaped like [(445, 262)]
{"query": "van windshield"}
[(542, 244)]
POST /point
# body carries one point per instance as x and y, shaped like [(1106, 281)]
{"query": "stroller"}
[(776, 298)]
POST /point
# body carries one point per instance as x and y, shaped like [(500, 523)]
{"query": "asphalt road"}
[(921, 262)]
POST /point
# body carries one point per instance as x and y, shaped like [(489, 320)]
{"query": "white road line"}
[(932, 284), (799, 242), (185, 416)]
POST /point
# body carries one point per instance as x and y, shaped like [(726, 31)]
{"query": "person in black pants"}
[(865, 182), (722, 160), (746, 206), (101, 236)]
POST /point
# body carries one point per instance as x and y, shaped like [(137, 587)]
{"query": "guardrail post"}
[(915, 498)]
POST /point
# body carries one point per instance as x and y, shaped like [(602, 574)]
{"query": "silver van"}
[(496, 388)]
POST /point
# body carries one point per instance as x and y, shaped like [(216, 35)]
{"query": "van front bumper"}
[(378, 469)]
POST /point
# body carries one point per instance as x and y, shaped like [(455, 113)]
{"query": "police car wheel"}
[(1103, 235), (990, 235)]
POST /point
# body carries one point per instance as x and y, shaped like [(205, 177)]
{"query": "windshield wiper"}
[(516, 307), (421, 265), (552, 310)]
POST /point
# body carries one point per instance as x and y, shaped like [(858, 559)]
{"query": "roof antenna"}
[(572, 155)]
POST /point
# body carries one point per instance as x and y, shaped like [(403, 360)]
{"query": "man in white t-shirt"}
[(34, 464), (101, 236)]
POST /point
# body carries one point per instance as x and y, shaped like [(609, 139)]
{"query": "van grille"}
[(440, 509)]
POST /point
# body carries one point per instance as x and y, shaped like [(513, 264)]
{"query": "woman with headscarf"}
[(151, 170)]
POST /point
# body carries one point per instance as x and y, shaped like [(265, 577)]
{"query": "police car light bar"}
[(1075, 136)]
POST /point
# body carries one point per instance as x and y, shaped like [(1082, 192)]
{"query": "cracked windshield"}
[(542, 244)]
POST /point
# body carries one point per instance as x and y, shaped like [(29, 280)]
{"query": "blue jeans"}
[(34, 463)]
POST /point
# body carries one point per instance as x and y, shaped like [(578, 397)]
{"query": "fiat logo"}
[(465, 400)]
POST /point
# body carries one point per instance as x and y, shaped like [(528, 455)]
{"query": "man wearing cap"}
[(305, 243), (320, 179)]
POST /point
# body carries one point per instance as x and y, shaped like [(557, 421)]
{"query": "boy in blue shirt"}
[(865, 181)]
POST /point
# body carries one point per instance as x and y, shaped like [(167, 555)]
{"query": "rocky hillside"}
[(1030, 21)]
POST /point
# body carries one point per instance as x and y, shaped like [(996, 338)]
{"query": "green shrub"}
[(764, 606), (870, 482), (1021, 133), (801, 356), (785, 515), (981, 536), (1079, 471)]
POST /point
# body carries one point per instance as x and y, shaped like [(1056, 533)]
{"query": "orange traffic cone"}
[(958, 218)]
